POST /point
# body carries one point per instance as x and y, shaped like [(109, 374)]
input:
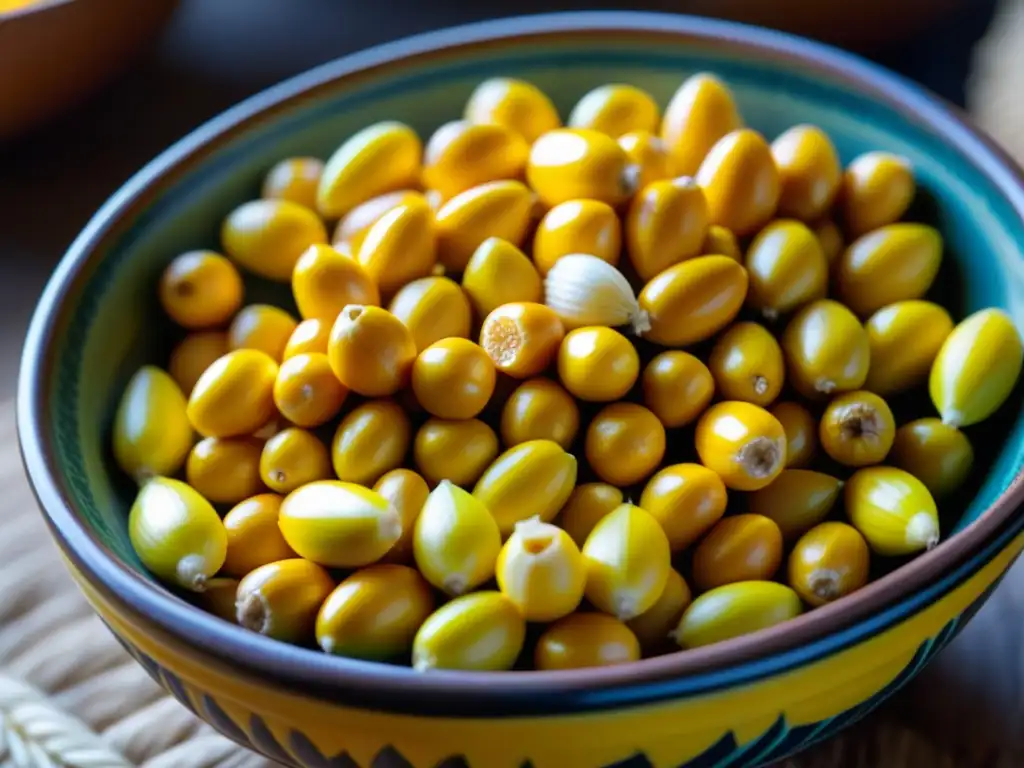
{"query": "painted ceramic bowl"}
[(745, 702)]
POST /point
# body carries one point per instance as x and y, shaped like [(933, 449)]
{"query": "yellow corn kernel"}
[(797, 500), (787, 268), (692, 301), (352, 227), (482, 632), (580, 164), (541, 570), (263, 327), (309, 336), (225, 470), (687, 500), (905, 338), (456, 540), (499, 273), (827, 350), (892, 509), (432, 308), (654, 627), (193, 355), (877, 189), (407, 492), (292, 458), (176, 533), (739, 548), (400, 247), (540, 409), (253, 536), (677, 387), (295, 179), (306, 391), (938, 455), (267, 237), (734, 610), (628, 562), (371, 351), (830, 561), (747, 364), (809, 172), (457, 451), (831, 240), (744, 444), (720, 241), (894, 263), (666, 223), (453, 379), (338, 524), (281, 600), (577, 226), (461, 155), (801, 433), (649, 154), (380, 158), (515, 104), (200, 289), (585, 640), (587, 505), (976, 368), (219, 598), (597, 364), (372, 439), (521, 338), (375, 613), (625, 443), (531, 479), (615, 109), (325, 282), (152, 429), (496, 209), (740, 182), (235, 395), (857, 429), (700, 112)]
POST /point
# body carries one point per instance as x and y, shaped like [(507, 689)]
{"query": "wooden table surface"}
[(967, 705)]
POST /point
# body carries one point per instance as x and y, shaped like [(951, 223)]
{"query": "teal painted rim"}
[(463, 693)]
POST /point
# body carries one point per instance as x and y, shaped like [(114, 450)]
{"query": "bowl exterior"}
[(754, 724)]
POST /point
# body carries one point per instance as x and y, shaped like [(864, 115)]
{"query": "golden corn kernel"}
[(456, 540), (292, 458), (281, 599), (253, 536), (521, 338), (201, 289)]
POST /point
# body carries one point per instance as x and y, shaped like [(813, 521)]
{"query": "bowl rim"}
[(468, 693)]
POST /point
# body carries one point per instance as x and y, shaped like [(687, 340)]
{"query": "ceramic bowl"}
[(746, 702), (55, 52)]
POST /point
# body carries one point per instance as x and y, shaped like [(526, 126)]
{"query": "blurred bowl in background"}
[(55, 52)]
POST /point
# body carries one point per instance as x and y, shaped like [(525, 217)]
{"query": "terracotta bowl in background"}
[(55, 52)]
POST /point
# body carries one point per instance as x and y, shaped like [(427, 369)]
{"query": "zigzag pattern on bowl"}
[(776, 743)]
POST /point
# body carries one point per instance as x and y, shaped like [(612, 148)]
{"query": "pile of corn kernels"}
[(556, 396)]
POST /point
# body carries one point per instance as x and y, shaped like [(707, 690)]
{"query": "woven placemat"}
[(69, 695)]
